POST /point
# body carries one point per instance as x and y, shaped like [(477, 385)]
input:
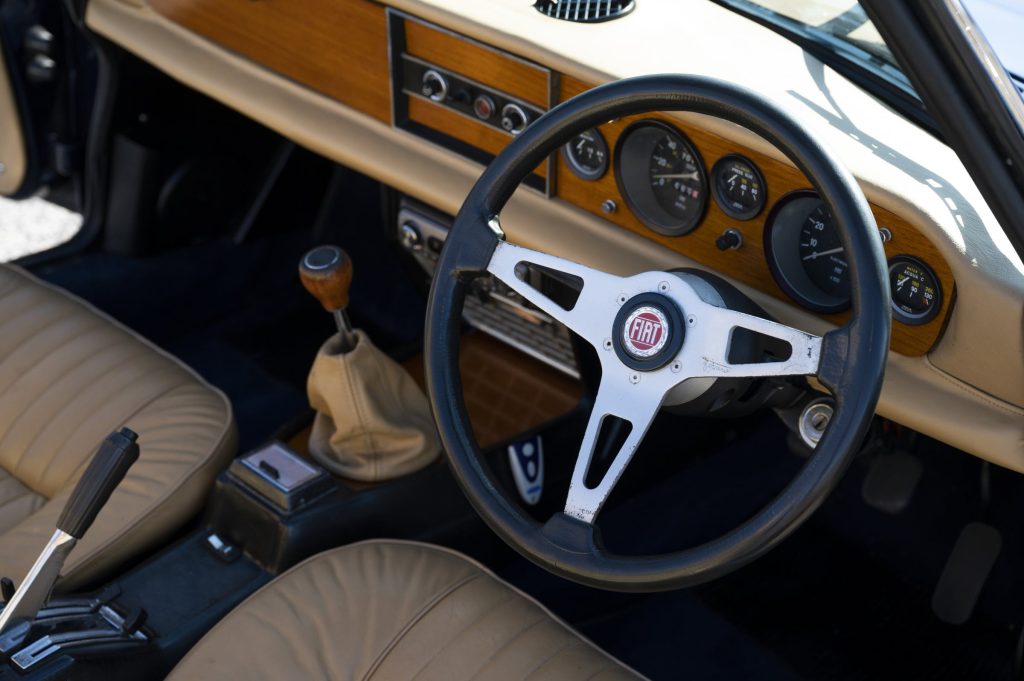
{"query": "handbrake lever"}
[(105, 472)]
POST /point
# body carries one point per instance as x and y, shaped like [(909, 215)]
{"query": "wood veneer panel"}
[(337, 48), (461, 128), (748, 264), (498, 70)]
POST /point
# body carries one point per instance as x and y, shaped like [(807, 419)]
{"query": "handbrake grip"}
[(105, 472)]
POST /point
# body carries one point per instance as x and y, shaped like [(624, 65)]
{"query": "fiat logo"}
[(645, 332)]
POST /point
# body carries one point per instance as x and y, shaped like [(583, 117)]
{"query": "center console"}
[(493, 308), (464, 95)]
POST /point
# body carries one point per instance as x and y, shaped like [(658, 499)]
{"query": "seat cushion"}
[(69, 375), (387, 610)]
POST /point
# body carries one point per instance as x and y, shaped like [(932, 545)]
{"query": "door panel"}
[(12, 142)]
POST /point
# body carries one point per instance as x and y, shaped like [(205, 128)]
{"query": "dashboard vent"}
[(585, 11)]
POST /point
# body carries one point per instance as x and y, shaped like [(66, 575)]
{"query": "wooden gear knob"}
[(326, 272)]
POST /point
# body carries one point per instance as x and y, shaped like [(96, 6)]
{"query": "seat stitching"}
[(472, 624), (90, 308), (413, 621), (507, 644), (598, 672), (227, 427), (580, 638), (67, 405), (547, 659), (200, 465), (71, 338)]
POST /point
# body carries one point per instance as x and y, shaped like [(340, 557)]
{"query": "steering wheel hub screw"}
[(691, 320), (663, 286), (634, 378), (621, 300), (607, 343), (677, 366)]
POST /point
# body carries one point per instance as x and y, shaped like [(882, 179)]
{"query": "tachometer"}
[(822, 253), (805, 253), (662, 177), (739, 187), (916, 292)]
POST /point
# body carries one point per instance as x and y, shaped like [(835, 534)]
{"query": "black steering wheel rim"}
[(852, 363)]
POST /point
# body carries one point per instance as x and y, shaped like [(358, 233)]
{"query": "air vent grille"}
[(585, 11)]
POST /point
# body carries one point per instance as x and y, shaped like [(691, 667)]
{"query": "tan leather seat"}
[(68, 376), (387, 610)]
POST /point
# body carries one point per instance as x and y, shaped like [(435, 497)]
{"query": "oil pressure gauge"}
[(587, 155), (916, 292)]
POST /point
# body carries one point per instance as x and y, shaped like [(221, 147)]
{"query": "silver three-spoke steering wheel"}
[(656, 333)]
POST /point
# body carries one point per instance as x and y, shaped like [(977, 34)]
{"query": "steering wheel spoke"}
[(653, 331), (623, 411), (714, 330), (597, 290)]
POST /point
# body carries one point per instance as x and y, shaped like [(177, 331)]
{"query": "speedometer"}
[(662, 177)]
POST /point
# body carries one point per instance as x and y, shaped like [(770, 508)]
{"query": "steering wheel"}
[(652, 331)]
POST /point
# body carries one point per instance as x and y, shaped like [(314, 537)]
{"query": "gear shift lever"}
[(373, 422), (326, 272)]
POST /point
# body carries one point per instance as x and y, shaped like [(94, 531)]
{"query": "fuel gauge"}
[(916, 292)]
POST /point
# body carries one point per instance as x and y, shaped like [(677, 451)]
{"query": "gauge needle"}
[(812, 256), (681, 176), (901, 282)]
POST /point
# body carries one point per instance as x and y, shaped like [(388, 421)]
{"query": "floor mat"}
[(237, 314), (846, 597)]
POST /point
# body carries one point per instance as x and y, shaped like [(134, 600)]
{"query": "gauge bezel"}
[(723, 202), (656, 223), (901, 315), (782, 253), (578, 170)]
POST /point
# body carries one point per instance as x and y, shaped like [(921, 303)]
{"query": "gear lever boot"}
[(373, 422)]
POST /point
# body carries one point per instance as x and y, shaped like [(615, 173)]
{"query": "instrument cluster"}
[(664, 182)]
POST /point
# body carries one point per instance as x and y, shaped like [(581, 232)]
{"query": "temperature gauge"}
[(916, 293), (587, 155)]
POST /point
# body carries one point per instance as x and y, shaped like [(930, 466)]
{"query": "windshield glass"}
[(840, 25)]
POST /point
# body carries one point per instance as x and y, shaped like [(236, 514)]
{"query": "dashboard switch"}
[(513, 119), (435, 86), (730, 240), (483, 107)]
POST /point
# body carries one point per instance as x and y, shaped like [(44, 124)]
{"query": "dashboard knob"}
[(730, 240), (435, 86), (411, 237), (513, 119)]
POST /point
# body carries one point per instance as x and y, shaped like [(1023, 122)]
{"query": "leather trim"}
[(12, 142), (462, 575), (373, 422), (187, 429)]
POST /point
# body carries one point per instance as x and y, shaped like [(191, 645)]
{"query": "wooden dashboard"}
[(348, 50)]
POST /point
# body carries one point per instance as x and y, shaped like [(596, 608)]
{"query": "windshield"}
[(838, 25)]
